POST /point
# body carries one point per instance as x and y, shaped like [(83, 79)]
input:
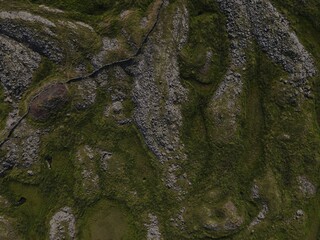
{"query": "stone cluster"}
[(17, 65), (63, 225)]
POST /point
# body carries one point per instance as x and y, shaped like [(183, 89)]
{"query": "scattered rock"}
[(87, 180), (22, 150), (261, 216), (125, 14), (26, 16), (13, 118), (125, 121), (105, 156), (41, 42), (50, 9), (68, 24), (179, 221), (85, 94), (256, 19), (4, 203), (306, 187), (255, 192), (82, 24), (233, 220), (108, 45), (158, 93), (117, 107), (275, 37), (153, 228), (63, 225), (207, 64), (225, 106), (17, 65), (299, 214)]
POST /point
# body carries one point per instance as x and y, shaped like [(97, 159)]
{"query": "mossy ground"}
[(4, 109), (304, 18), (132, 187)]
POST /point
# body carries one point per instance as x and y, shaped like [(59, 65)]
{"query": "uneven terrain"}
[(159, 120)]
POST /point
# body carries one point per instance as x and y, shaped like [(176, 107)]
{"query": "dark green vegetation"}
[(278, 140), (196, 65), (4, 109), (107, 222)]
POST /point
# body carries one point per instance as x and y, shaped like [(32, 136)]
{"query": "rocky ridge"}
[(158, 94)]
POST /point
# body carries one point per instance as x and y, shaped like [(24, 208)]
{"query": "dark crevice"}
[(123, 62)]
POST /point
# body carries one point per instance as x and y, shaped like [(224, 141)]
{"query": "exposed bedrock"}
[(225, 107), (17, 65), (22, 149), (39, 42), (258, 20), (158, 93), (203, 191), (63, 225)]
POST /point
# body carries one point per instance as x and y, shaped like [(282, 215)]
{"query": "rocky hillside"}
[(159, 120)]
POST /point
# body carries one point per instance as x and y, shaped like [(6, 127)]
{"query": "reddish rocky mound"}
[(49, 101)]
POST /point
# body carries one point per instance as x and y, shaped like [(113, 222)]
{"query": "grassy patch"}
[(107, 221), (31, 215), (4, 109), (204, 59)]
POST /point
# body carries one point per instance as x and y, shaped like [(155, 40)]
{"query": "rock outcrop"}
[(63, 225), (107, 99), (158, 93), (49, 101), (17, 65)]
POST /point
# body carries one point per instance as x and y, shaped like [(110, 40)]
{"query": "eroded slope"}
[(159, 120)]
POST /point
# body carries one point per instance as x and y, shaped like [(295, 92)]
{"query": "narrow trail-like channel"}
[(90, 75)]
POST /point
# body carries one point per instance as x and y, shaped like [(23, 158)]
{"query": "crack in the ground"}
[(90, 75)]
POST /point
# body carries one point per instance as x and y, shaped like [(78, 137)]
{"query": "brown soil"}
[(49, 101)]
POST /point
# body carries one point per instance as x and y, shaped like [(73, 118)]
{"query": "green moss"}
[(4, 109), (204, 59), (107, 221), (45, 69), (131, 186), (31, 215)]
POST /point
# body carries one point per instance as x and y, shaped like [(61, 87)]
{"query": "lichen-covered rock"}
[(17, 65), (158, 95), (85, 94), (41, 43), (63, 225), (261, 216), (306, 187), (153, 228), (88, 186), (178, 131), (26, 16), (108, 46), (225, 107), (22, 151)]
